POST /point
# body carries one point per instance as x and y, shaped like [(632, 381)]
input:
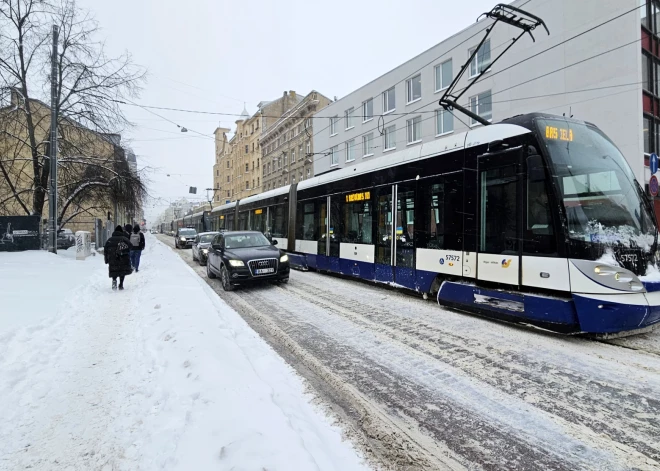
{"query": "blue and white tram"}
[(537, 219)]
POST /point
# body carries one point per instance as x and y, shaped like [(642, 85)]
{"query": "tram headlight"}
[(604, 270), (636, 286)]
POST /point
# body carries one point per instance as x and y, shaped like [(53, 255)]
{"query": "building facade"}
[(602, 76), (287, 146), (237, 172)]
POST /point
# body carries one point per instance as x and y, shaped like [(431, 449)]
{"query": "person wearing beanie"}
[(116, 253), (137, 242), (128, 229)]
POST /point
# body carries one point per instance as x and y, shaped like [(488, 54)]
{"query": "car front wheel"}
[(224, 276), (209, 272)]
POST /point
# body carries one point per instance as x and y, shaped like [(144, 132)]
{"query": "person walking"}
[(116, 253), (128, 229), (137, 242)]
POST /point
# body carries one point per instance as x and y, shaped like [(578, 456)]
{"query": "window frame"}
[(348, 117), (370, 137), (389, 131), (410, 89), (333, 125), (414, 125), (474, 123), (438, 115), (438, 68), (350, 147), (366, 119), (334, 156), (475, 60), (385, 100)]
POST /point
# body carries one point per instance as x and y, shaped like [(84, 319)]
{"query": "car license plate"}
[(262, 271)]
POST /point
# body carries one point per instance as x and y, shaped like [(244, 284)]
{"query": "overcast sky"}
[(214, 55)]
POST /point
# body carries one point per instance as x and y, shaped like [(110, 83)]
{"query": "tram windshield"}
[(597, 187)]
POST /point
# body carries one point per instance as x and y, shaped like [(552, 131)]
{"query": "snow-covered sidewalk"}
[(163, 375)]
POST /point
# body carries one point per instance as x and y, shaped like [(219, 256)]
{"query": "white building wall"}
[(567, 88)]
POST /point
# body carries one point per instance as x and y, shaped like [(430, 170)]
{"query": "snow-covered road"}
[(432, 388), (163, 375)]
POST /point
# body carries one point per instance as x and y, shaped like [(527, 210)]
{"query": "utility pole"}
[(52, 195)]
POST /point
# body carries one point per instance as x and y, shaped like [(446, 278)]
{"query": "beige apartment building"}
[(237, 172), (287, 144)]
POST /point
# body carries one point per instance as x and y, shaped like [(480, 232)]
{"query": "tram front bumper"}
[(614, 313)]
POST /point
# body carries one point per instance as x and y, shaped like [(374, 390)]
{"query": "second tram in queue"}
[(537, 219)]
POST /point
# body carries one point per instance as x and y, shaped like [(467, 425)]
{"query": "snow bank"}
[(34, 283), (163, 375)]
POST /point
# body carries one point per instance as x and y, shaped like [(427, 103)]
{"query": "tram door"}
[(500, 217)]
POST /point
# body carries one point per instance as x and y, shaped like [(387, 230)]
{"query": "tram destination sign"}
[(258, 211), (558, 134), (354, 197)]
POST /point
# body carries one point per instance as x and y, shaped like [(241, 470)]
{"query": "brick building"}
[(287, 146)]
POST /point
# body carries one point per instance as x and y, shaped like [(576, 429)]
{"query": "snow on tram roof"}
[(450, 143)]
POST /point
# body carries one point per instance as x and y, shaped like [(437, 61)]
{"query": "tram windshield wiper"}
[(510, 15)]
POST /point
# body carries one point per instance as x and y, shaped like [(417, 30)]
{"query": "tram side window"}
[(309, 225), (539, 238), (499, 229), (242, 221), (230, 222), (358, 223), (279, 221), (336, 226), (440, 225)]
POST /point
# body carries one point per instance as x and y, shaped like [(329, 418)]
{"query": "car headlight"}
[(205, 251), (236, 263), (182, 239), (284, 258)]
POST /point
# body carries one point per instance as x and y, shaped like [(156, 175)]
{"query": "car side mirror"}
[(218, 247), (274, 242)]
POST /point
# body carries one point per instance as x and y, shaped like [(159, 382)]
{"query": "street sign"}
[(653, 163), (653, 186)]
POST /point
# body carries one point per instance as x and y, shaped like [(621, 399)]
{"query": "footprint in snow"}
[(157, 306)]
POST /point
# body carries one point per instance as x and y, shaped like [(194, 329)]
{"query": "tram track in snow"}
[(422, 387)]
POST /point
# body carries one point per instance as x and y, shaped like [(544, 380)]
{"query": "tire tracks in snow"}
[(398, 366)]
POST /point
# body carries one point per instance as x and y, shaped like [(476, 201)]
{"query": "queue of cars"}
[(238, 258)]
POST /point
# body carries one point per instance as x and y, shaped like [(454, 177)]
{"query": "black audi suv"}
[(245, 257)]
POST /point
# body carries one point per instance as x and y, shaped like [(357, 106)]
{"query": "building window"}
[(443, 75), (257, 162), (286, 158), (482, 105), (309, 148), (334, 156), (389, 137), (217, 173), (368, 145), (389, 101), (228, 164), (309, 172), (333, 125), (293, 155), (350, 156), (247, 185), (268, 168), (293, 179), (247, 168), (279, 162), (646, 72), (227, 193), (227, 178), (414, 88), (253, 183), (300, 152), (247, 148), (258, 181), (481, 60), (367, 110), (414, 129), (444, 122), (348, 116)]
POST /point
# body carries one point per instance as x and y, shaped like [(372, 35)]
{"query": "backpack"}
[(135, 240), (122, 250)]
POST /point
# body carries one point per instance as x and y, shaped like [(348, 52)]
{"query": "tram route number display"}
[(353, 197), (558, 134)]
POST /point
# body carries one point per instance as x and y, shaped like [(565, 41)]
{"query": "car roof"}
[(208, 233), (241, 232)]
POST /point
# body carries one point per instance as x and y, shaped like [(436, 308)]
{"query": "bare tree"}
[(93, 171)]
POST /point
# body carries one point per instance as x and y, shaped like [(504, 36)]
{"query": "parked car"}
[(201, 246), (65, 239), (184, 237), (244, 257)]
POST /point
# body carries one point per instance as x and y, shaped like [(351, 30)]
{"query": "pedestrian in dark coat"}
[(117, 256), (128, 229), (137, 242)]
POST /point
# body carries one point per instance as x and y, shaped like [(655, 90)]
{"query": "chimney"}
[(292, 94)]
